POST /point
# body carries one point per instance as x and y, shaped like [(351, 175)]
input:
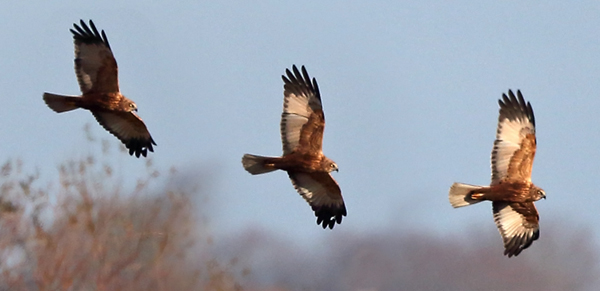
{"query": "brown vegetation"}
[(89, 234)]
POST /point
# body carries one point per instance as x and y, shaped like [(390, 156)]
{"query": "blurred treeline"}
[(85, 231)]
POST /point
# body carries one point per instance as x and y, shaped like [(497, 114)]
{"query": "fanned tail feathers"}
[(60, 103), (255, 164), (460, 196)]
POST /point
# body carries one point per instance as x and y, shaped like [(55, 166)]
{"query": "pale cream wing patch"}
[(515, 122), (95, 65), (323, 194), (129, 128), (291, 127), (301, 100), (518, 225)]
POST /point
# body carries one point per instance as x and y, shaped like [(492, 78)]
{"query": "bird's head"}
[(129, 105), (333, 167), (329, 165), (537, 193)]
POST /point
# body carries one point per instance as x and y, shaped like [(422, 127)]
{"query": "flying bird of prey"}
[(302, 125), (96, 70), (511, 191)]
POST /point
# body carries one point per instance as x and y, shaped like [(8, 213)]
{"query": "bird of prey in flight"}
[(96, 70), (302, 125), (511, 191)]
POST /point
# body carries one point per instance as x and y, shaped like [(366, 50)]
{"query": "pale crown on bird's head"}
[(334, 167), (329, 165), (537, 193), (128, 105)]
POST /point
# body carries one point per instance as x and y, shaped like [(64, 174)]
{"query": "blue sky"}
[(409, 91)]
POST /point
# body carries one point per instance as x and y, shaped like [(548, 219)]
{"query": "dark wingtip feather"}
[(300, 82), (514, 107), (328, 216), (296, 72), (140, 147), (86, 35)]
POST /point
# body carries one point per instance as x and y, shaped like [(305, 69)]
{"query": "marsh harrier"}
[(302, 125), (512, 193), (96, 70)]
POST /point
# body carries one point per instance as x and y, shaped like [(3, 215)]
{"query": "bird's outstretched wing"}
[(127, 127), (323, 194), (515, 144), (518, 225), (302, 120), (95, 65)]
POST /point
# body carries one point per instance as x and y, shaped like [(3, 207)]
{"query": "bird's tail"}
[(256, 164), (460, 195), (61, 103)]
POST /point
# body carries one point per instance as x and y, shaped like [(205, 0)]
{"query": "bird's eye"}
[(131, 105)]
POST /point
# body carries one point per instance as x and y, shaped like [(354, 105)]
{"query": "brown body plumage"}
[(302, 125), (511, 191), (516, 191), (300, 162)]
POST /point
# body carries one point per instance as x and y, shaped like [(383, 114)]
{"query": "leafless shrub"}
[(90, 234)]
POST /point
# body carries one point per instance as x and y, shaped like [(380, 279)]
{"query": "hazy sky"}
[(409, 90)]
